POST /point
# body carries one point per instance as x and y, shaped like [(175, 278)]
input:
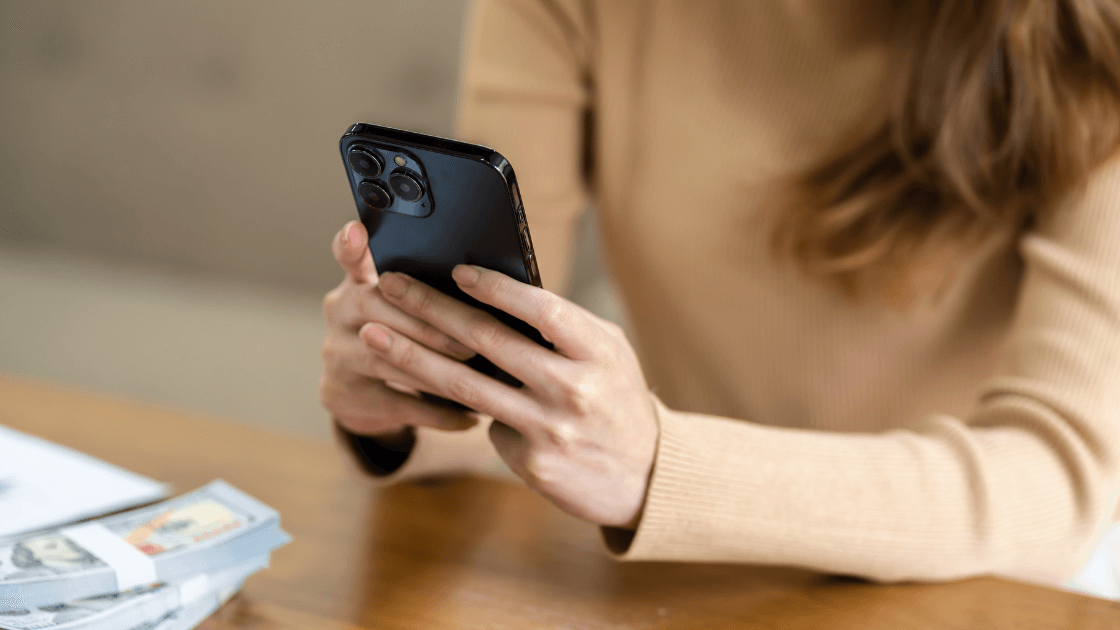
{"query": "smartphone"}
[(430, 204)]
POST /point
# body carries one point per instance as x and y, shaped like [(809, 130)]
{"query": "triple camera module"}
[(403, 184)]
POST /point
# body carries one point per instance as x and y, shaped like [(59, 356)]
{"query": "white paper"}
[(43, 485)]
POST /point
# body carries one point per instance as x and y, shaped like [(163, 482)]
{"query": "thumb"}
[(351, 250)]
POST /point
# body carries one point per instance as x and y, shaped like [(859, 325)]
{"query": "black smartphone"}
[(429, 204)]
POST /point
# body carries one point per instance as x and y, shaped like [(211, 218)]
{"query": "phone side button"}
[(534, 276), (520, 215), (526, 241)]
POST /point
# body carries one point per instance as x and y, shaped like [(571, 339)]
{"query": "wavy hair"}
[(998, 109)]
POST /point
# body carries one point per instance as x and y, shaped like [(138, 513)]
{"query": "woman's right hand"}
[(366, 395)]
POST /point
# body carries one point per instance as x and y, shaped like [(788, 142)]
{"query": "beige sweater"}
[(978, 433)]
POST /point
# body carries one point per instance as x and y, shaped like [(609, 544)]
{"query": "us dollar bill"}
[(190, 615), (145, 605), (208, 530)]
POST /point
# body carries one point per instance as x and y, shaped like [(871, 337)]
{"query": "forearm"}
[(939, 501)]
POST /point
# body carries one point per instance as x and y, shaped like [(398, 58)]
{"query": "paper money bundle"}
[(156, 567), (158, 606)]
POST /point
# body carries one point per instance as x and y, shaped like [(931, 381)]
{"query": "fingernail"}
[(466, 275), (376, 337), (393, 284), (459, 349), (352, 235)]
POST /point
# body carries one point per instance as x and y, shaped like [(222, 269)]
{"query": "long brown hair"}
[(998, 109)]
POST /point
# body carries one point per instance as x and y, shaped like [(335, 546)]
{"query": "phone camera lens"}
[(406, 187), (365, 161), (375, 195)]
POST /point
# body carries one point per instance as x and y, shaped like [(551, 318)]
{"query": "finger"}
[(351, 307), (511, 447), (369, 407), (388, 372), (416, 328), (563, 323), (347, 356), (455, 381), (506, 348), (402, 388), (351, 250)]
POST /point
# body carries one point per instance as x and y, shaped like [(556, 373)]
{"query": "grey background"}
[(204, 135), (170, 183)]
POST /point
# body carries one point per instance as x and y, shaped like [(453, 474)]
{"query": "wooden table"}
[(473, 553)]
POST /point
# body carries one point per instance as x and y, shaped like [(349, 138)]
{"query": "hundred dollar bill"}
[(135, 607), (210, 529), (190, 615)]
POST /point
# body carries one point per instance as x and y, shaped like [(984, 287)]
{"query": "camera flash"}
[(399, 160)]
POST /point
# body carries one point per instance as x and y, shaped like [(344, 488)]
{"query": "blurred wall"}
[(204, 135), (170, 182)]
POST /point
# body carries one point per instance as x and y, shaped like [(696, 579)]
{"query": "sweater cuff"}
[(619, 541), (689, 513), (434, 453)]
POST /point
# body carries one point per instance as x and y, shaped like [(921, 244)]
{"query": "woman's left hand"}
[(582, 431)]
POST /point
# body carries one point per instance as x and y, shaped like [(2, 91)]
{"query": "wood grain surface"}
[(475, 553)]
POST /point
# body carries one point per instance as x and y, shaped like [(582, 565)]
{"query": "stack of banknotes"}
[(166, 566)]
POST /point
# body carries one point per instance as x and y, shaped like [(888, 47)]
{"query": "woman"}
[(872, 261)]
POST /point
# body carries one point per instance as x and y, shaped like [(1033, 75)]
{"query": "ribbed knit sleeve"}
[(525, 92), (1022, 486)]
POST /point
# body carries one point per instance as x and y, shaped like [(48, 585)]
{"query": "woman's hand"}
[(583, 431), (368, 395)]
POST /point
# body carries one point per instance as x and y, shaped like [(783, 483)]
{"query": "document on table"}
[(43, 484)]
